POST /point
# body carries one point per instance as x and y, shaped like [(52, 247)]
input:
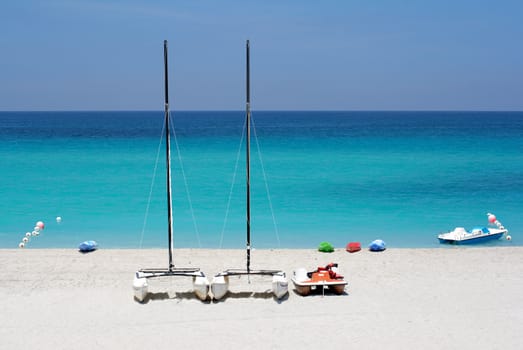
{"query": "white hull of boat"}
[(140, 288), (219, 286), (280, 286), (461, 236), (201, 287)]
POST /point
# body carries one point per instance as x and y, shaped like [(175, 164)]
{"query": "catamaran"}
[(200, 281), (220, 282)]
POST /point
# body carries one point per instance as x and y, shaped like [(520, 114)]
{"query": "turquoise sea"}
[(403, 177)]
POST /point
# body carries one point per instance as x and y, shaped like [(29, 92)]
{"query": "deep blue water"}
[(335, 176)]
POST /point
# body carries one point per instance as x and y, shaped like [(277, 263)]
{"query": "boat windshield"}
[(480, 229)]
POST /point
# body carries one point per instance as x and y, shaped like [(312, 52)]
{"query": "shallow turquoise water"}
[(336, 176)]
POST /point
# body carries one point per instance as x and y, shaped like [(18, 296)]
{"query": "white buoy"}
[(25, 239), (21, 245), (28, 234), (509, 238), (37, 233), (40, 225), (36, 228), (34, 233), (58, 219)]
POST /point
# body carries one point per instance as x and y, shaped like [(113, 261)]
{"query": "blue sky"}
[(305, 55)]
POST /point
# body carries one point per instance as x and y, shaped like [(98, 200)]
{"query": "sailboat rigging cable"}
[(249, 120), (232, 186), (151, 188), (182, 169), (265, 181)]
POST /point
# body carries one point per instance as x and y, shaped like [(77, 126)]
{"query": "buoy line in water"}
[(39, 227)]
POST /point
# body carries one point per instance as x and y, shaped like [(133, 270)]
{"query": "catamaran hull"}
[(280, 286), (219, 286), (140, 288), (201, 287)]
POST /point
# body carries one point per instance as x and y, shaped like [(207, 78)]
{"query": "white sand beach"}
[(444, 298)]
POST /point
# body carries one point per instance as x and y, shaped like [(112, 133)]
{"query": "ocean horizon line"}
[(173, 110)]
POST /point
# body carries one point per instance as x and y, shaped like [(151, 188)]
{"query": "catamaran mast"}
[(168, 158), (248, 151)]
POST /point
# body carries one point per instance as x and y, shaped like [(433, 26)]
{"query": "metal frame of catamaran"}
[(220, 282), (200, 281)]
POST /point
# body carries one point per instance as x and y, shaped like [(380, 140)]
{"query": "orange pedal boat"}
[(324, 277)]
